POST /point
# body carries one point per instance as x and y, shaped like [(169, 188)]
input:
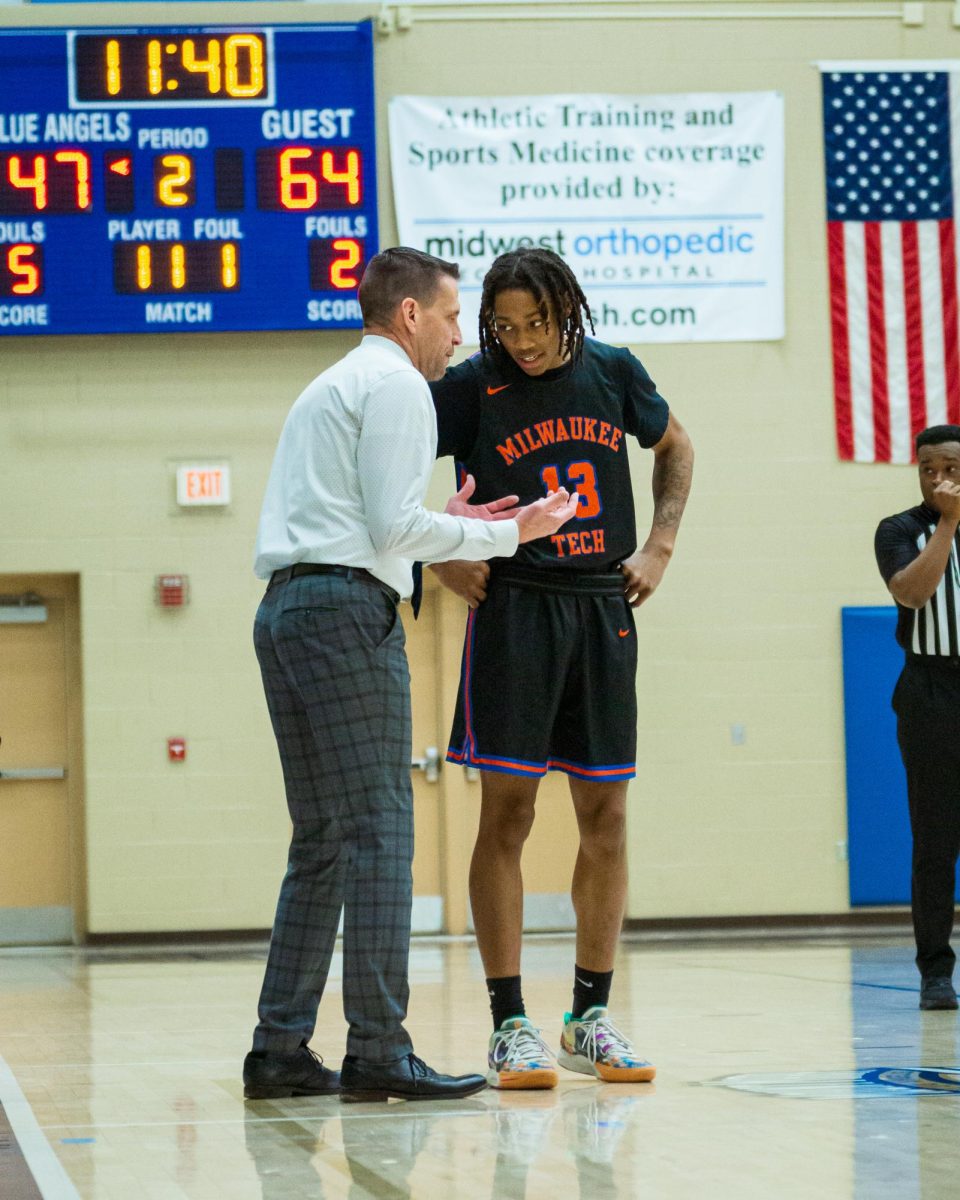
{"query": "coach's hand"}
[(642, 573), (468, 580), (497, 510), (543, 517)]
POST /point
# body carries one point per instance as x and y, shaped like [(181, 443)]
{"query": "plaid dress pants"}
[(334, 668)]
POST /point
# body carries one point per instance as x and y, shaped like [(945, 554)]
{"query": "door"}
[(38, 867)]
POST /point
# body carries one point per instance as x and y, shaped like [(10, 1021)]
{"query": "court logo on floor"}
[(872, 1082)]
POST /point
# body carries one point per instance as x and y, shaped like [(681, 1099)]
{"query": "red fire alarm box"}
[(171, 590), (177, 749)]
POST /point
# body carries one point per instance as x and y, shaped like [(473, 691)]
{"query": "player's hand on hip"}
[(497, 510), (642, 573), (545, 516), (468, 580)]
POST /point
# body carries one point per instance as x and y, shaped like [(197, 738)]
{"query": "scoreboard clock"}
[(208, 178)]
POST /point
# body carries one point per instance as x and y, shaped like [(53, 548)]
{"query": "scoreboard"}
[(208, 178)]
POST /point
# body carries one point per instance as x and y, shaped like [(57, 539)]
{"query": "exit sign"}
[(203, 484)]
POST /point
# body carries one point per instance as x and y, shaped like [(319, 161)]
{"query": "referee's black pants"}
[(927, 703)]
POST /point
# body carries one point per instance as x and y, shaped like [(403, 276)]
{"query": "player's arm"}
[(913, 585), (468, 580), (672, 475)]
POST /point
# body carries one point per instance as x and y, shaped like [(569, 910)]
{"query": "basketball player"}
[(548, 680)]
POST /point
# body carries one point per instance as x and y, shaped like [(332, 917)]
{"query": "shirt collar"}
[(374, 341)]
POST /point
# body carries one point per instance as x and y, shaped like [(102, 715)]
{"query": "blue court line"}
[(887, 987)]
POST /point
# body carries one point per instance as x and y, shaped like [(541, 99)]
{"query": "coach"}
[(341, 521)]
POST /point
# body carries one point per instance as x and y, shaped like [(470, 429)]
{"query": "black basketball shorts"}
[(548, 681)]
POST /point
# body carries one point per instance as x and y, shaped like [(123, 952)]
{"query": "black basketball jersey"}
[(566, 428)]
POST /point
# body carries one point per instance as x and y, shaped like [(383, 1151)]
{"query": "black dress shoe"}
[(273, 1076), (937, 992), (407, 1078)]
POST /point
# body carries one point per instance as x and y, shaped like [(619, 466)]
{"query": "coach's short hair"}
[(936, 435), (393, 275)]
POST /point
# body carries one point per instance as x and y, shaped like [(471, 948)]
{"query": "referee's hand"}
[(947, 497)]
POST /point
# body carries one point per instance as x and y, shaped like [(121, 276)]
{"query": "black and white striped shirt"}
[(934, 630)]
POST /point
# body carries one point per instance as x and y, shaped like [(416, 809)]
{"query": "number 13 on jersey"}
[(581, 478)]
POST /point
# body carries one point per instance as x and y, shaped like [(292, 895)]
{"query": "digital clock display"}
[(195, 69), (215, 178)]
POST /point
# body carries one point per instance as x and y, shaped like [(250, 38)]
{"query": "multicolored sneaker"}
[(593, 1045), (518, 1057)]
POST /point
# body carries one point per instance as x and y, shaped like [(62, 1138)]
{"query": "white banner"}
[(668, 208)]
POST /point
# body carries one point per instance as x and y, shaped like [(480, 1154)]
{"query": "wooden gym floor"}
[(787, 1069)]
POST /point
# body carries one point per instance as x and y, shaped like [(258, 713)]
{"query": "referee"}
[(918, 553)]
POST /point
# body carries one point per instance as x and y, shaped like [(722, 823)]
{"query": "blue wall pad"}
[(878, 823)]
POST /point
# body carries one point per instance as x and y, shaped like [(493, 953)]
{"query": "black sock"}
[(506, 999), (590, 988)]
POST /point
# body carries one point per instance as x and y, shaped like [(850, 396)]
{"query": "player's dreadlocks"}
[(554, 287)]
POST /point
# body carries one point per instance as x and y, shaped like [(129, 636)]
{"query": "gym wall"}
[(739, 803)]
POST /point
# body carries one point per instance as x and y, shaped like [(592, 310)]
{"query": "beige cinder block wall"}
[(745, 629)]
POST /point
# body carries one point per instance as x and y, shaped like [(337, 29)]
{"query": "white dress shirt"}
[(351, 471)]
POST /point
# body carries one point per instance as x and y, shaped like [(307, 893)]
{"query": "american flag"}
[(892, 248)]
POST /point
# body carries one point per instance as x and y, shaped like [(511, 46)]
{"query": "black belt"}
[(940, 661), (361, 574), (536, 579)]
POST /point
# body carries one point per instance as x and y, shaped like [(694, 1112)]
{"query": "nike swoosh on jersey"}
[(623, 632), (493, 391)]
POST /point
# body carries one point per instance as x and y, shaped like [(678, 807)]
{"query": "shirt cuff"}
[(507, 535)]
